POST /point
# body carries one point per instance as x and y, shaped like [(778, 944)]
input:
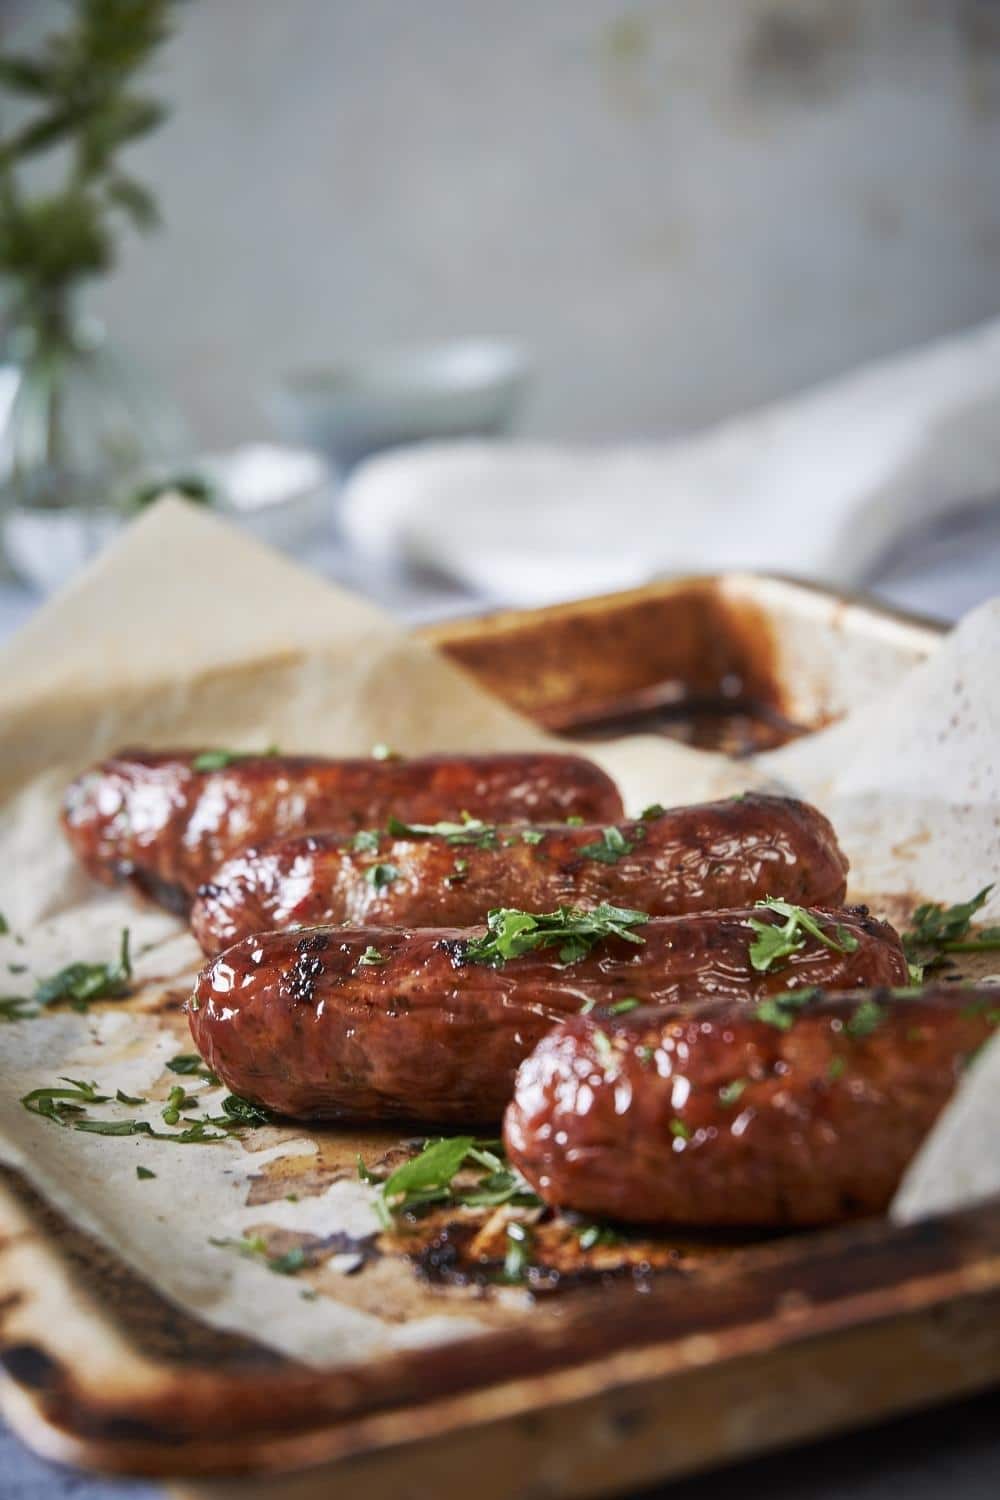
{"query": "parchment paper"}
[(189, 633)]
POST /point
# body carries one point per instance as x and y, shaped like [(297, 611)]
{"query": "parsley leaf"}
[(366, 841), (144, 1174), (532, 836), (781, 1011), (428, 1179), (218, 760), (868, 1016), (469, 831), (603, 1047), (239, 1111), (371, 958), (518, 1256), (938, 930), (589, 1235), (730, 1093), (81, 983), (622, 1007), (610, 848), (254, 1247), (16, 1008), (776, 941), (381, 875), (190, 1065), (511, 933), (654, 810)]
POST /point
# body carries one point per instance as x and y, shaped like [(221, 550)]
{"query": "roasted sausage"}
[(720, 1114), (156, 819), (380, 1024), (700, 858)]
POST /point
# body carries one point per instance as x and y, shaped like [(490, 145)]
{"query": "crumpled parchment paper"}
[(190, 633)]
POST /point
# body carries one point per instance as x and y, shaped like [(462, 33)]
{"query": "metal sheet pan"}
[(610, 1385)]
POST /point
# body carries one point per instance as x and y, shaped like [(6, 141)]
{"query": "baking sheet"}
[(189, 633)]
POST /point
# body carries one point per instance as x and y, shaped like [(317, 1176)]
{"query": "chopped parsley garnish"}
[(511, 933), (731, 1093), (177, 1100), (591, 1235), (469, 831), (679, 1130), (254, 1247), (218, 760), (654, 810), (79, 983), (777, 941), (518, 1256), (427, 1180), (59, 1104), (381, 875), (574, 821), (609, 849), (144, 1174), (190, 1065), (622, 1007), (603, 1047), (938, 930), (68, 1107), (238, 1112), (365, 841), (16, 1008), (371, 958), (836, 1068), (532, 836), (781, 1011), (868, 1016)]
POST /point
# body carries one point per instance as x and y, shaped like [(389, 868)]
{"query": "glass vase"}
[(82, 434)]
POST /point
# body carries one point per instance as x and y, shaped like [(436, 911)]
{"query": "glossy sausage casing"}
[(381, 1024), (699, 858), (716, 1116), (151, 818)]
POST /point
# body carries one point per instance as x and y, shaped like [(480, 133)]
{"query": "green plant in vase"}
[(82, 434)]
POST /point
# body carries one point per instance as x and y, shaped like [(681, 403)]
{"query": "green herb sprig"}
[(218, 760), (427, 1180), (77, 985), (609, 848), (511, 933), (80, 85), (472, 831), (777, 941), (253, 1247), (939, 930), (68, 1107)]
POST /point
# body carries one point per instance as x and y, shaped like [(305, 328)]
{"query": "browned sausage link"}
[(700, 858), (717, 1115), (156, 820), (381, 1024)]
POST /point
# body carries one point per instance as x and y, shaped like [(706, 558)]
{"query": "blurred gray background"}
[(685, 206)]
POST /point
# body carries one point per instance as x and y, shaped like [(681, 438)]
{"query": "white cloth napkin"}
[(823, 485)]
